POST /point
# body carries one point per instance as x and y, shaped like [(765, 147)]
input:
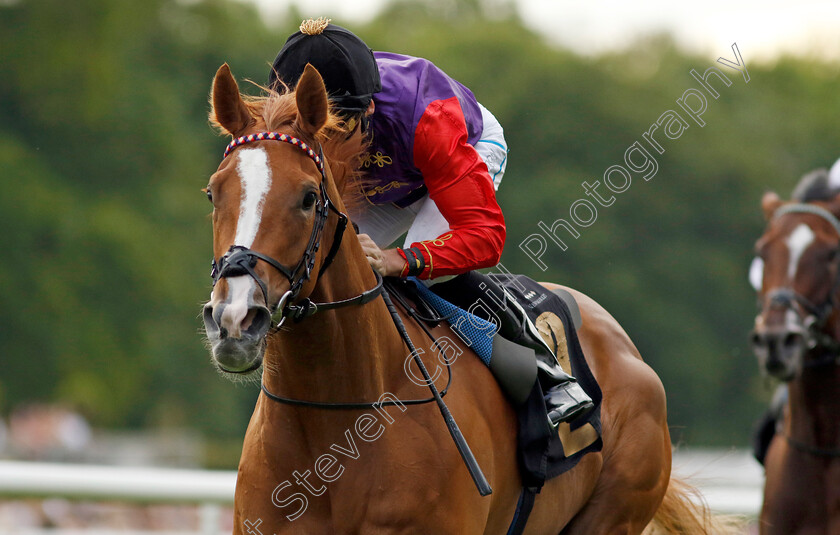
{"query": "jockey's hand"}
[(388, 263)]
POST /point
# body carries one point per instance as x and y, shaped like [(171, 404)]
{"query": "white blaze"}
[(256, 181), (799, 240), (255, 177), (240, 290)]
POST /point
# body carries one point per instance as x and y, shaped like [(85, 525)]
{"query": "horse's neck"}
[(350, 354), (814, 406)]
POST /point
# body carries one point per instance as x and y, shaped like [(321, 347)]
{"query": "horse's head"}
[(270, 205), (796, 275)]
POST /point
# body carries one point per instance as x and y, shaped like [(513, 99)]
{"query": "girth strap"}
[(523, 510)]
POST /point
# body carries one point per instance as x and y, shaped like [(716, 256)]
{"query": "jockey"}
[(435, 158)]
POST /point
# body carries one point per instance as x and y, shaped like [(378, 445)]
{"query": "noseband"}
[(240, 260), (817, 314)]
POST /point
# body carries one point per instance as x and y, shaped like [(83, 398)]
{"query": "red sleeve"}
[(459, 183)]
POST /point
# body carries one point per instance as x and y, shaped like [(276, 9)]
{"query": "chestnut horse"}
[(795, 339), (389, 467)]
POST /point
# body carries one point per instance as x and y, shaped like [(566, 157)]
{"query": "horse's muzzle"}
[(779, 351), (237, 344)]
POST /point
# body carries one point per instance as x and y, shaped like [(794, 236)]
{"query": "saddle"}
[(544, 451)]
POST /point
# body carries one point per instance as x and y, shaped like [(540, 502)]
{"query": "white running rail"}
[(730, 481)]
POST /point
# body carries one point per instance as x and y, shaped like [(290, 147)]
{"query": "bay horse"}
[(382, 464), (797, 340)]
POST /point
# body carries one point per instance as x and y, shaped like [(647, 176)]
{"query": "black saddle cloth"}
[(543, 452)]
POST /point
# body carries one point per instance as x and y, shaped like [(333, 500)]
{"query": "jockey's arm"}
[(459, 183)]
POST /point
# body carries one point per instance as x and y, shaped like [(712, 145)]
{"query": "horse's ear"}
[(770, 202), (312, 103), (229, 110)]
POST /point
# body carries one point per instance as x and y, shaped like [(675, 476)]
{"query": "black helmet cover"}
[(345, 62)]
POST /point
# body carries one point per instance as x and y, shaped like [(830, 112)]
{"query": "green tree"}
[(104, 145)]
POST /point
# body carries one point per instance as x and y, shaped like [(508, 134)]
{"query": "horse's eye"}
[(309, 199), (207, 192)]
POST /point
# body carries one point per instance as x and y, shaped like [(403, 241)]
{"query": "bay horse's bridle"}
[(817, 319), (817, 314), (240, 260)]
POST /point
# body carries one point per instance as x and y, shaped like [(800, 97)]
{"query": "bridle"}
[(816, 316), (240, 260), (816, 319)]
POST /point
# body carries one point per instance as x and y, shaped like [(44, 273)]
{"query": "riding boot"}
[(479, 294)]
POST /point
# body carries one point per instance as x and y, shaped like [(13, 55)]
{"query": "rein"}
[(812, 450), (240, 260), (372, 404), (406, 338), (827, 359)]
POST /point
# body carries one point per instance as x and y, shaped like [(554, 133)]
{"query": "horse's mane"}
[(815, 186), (343, 152)]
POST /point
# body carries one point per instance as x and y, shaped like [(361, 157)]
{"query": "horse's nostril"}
[(755, 339), (258, 322), (211, 325), (249, 319)]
